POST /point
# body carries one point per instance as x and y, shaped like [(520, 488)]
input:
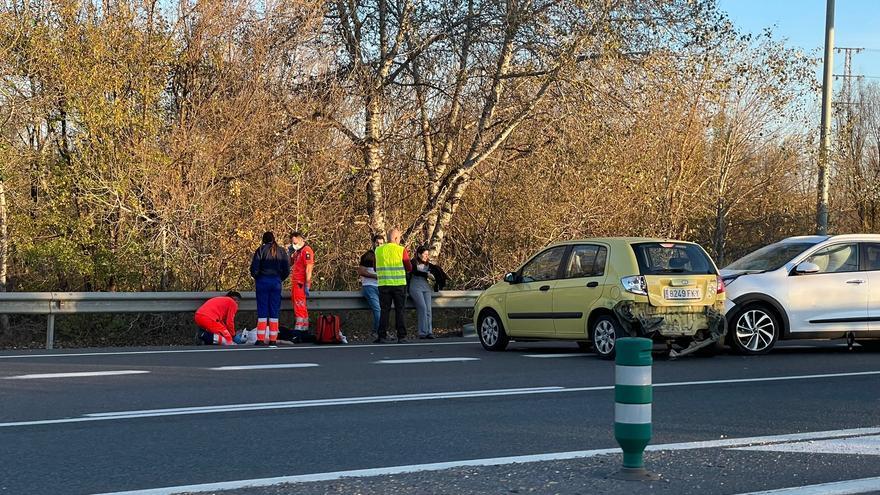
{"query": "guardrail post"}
[(50, 331), (633, 394)]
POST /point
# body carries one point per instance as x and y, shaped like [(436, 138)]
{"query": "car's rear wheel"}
[(491, 332), (603, 333), (755, 330)]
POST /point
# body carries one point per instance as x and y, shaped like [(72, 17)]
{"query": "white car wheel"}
[(755, 330)]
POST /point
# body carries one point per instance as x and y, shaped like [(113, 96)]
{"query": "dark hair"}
[(297, 233), (269, 238), (233, 294), (377, 238), (420, 250)]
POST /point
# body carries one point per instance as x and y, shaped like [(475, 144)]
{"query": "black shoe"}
[(423, 337), (259, 342), (402, 340), (383, 340), (430, 336)]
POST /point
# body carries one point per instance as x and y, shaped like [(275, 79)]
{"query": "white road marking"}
[(494, 461), (182, 411), (80, 374), (550, 356), (395, 398), (230, 349), (855, 446), (426, 360), (848, 487), (265, 367)]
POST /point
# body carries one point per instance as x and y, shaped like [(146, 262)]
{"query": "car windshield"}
[(770, 257), (658, 258)]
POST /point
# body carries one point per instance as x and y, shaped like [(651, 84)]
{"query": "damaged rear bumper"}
[(641, 319)]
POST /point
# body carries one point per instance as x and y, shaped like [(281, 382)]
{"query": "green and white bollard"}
[(632, 405)]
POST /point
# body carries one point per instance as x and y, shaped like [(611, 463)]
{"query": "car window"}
[(586, 261), (660, 258), (837, 258), (545, 266), (770, 257), (871, 256)]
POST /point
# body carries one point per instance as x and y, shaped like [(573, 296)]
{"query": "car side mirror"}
[(511, 278), (806, 268)]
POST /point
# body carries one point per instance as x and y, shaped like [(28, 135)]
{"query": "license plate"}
[(674, 294)]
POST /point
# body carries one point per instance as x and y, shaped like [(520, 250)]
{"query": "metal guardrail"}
[(59, 303)]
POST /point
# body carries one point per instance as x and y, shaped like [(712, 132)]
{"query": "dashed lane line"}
[(80, 374), (233, 349), (265, 367), (551, 356), (495, 461), (426, 360)]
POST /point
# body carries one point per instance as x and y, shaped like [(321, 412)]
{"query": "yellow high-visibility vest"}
[(389, 265)]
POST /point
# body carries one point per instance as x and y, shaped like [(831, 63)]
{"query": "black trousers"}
[(389, 294)]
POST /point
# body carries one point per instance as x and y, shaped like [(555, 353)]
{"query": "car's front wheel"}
[(755, 330), (603, 334), (491, 332)]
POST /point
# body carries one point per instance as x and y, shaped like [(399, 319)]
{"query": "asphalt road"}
[(108, 421)]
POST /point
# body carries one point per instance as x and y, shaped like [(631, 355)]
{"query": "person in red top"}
[(302, 261), (216, 319)]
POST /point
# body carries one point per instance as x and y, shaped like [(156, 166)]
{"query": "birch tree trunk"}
[(4, 253)]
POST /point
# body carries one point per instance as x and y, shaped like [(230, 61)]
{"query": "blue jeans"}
[(421, 298), (371, 294)]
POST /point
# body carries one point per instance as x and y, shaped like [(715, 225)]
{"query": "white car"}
[(806, 287)]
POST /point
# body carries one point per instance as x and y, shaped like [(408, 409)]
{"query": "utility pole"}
[(825, 131)]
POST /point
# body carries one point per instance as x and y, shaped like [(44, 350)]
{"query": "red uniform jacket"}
[(220, 309), (299, 260)]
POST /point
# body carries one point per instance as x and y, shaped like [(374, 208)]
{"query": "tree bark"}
[(373, 164), (4, 254)]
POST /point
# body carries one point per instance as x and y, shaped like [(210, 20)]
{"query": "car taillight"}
[(635, 285), (721, 288)]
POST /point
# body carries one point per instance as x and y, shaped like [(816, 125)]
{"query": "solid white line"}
[(551, 356), (230, 349), (80, 374), (494, 461), (864, 485), (391, 398), (769, 379), (265, 367), (183, 411), (426, 360)]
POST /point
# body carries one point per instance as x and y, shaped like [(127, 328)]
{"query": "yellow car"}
[(595, 290)]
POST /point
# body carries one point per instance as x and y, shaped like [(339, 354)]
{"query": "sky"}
[(802, 23)]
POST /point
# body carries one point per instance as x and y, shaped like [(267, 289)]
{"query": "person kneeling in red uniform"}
[(216, 319)]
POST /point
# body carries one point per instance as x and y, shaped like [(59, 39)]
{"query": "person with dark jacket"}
[(425, 279), (270, 266)]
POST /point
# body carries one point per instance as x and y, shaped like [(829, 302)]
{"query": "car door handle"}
[(593, 284), (855, 281), (544, 288)]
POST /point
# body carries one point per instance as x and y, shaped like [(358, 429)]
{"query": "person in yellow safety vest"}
[(392, 265)]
